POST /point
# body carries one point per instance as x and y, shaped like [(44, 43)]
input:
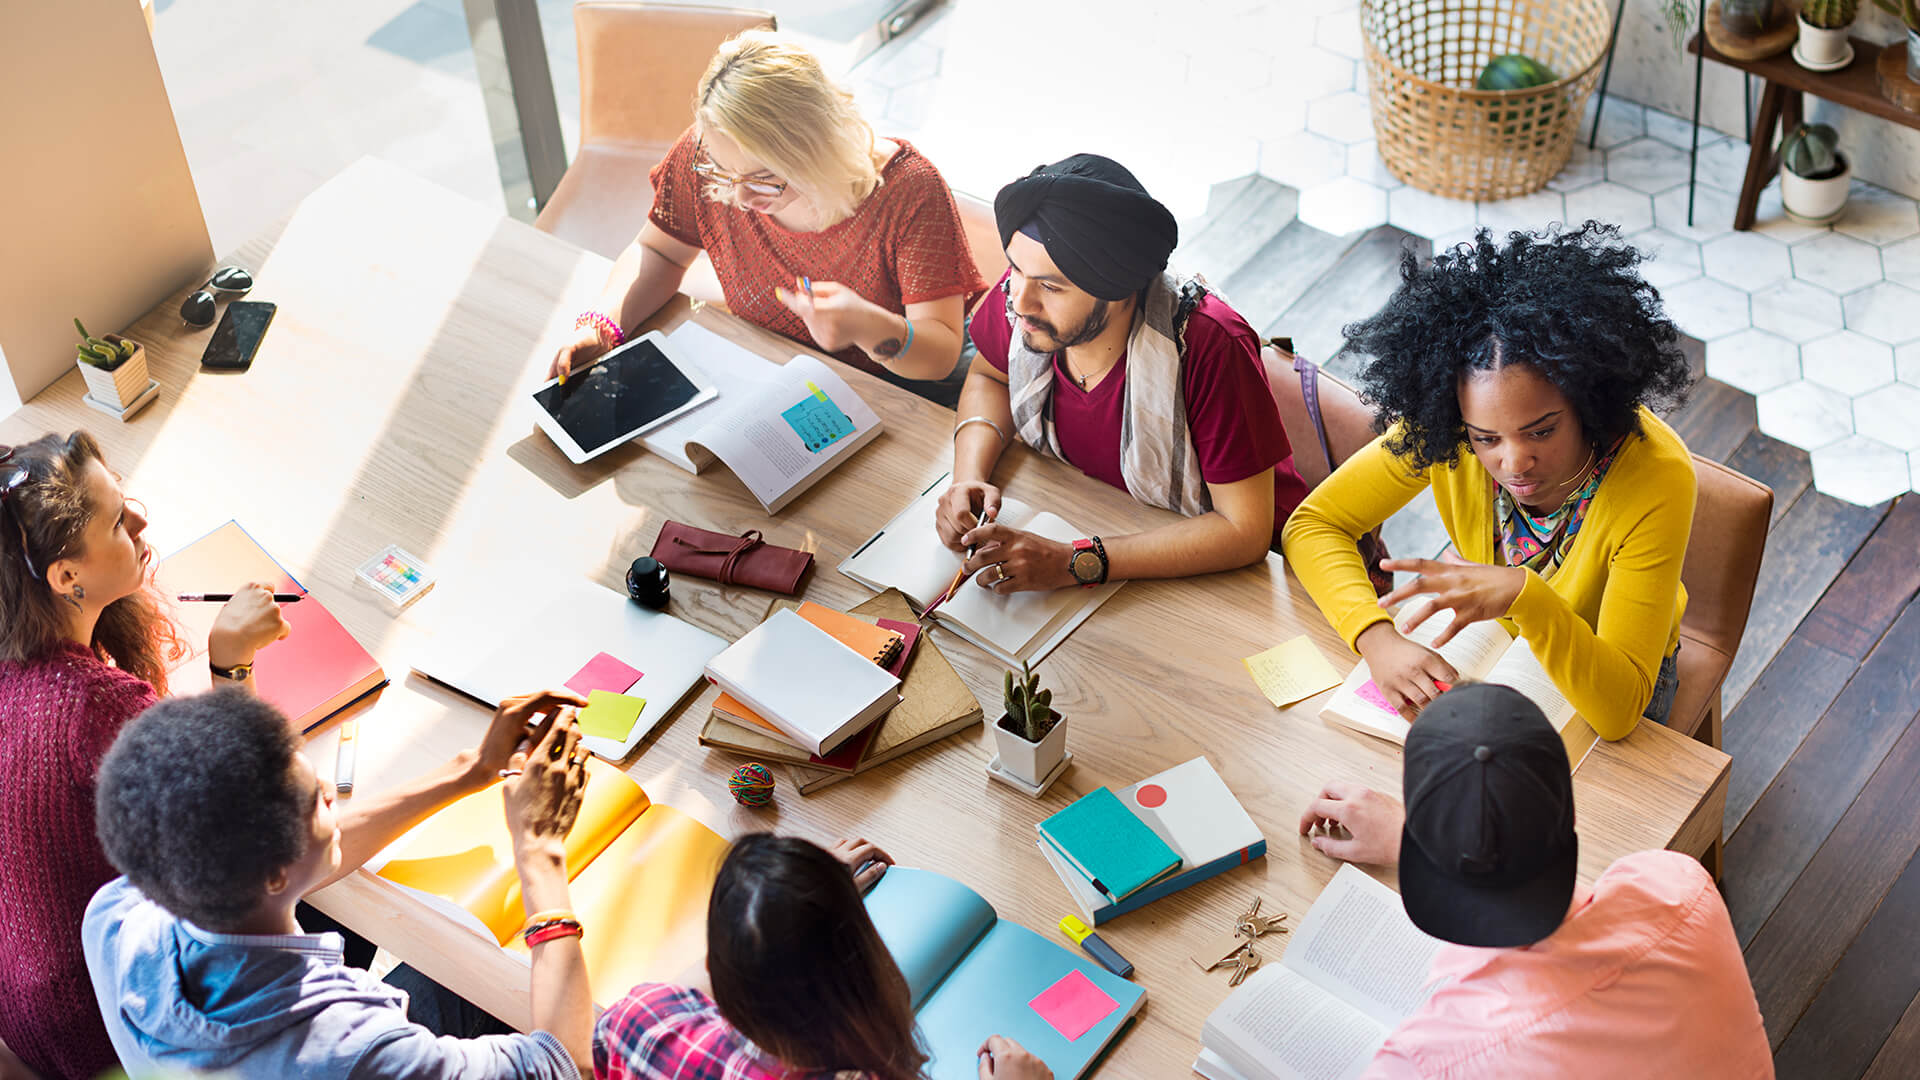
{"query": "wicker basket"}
[(1439, 134)]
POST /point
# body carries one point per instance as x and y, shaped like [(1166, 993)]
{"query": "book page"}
[(1014, 622), (1360, 704), (908, 555), (1358, 944), (1280, 1026), (736, 371), (928, 922), (783, 434), (1520, 669), (1472, 652)]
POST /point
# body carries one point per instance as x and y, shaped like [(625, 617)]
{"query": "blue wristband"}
[(908, 344)]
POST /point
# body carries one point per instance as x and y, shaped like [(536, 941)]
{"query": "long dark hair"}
[(798, 967), (50, 513)]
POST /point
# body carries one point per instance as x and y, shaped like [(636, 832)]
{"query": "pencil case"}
[(745, 559)]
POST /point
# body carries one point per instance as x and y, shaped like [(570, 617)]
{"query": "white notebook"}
[(804, 682), (1019, 627)]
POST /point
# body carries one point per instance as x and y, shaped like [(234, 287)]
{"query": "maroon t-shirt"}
[(1231, 417)]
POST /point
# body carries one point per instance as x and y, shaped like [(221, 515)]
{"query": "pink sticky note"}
[(1073, 1005), (603, 672), (1371, 693)]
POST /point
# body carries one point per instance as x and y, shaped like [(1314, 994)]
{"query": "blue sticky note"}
[(818, 421)]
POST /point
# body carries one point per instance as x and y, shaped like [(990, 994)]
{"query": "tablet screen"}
[(627, 390)]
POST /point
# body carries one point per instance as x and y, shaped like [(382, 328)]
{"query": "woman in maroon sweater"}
[(84, 647)]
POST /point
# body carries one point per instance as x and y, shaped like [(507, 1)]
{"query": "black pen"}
[(223, 597)]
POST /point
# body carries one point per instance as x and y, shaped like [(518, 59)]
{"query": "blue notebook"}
[(1103, 840), (974, 974)]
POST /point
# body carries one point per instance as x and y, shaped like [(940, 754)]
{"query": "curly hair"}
[(1569, 303), (197, 804)]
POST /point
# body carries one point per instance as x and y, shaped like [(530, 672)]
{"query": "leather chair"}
[(639, 64), (1730, 516), (983, 236), (1349, 421)]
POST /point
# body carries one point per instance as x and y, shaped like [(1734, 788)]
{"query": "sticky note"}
[(1291, 671), (610, 715), (1372, 694), (818, 421), (1073, 1005), (817, 392), (603, 672)]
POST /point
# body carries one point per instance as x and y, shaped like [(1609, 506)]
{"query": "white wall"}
[(98, 215)]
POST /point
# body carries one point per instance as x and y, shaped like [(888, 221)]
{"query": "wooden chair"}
[(639, 64), (1730, 516), (983, 236), (1349, 421)]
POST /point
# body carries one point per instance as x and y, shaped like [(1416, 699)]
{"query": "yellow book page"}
[(464, 853), (643, 902)]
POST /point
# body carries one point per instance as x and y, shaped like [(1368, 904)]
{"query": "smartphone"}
[(238, 336)]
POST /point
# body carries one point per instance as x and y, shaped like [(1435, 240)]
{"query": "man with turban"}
[(1091, 350)]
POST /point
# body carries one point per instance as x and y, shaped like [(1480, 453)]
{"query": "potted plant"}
[(114, 367), (1908, 12), (1814, 175), (1030, 736), (1823, 34), (1748, 18)]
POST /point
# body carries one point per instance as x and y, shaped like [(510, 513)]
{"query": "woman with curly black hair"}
[(1541, 356)]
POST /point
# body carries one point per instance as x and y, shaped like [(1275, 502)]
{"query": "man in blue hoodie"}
[(220, 826)]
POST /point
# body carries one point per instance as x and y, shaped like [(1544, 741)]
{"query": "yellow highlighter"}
[(1096, 946)]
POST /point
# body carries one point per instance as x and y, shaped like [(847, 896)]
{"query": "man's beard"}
[(1092, 327)]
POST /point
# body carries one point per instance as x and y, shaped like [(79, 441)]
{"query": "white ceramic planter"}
[(1819, 48), (121, 385), (1030, 762), (1815, 202)]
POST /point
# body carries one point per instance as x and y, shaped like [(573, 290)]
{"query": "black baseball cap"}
[(1488, 854)]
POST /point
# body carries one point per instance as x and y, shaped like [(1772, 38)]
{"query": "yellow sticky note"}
[(1291, 671), (610, 715), (817, 392)]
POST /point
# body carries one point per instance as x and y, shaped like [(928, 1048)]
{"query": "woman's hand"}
[(1003, 1059), (1475, 591), (543, 796), (586, 347), (864, 859), (1405, 671), (963, 508), (510, 732), (835, 315), (1372, 821), (246, 624), (1007, 560)]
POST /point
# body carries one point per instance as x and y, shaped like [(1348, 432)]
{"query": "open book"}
[(1025, 626), (973, 974), (1484, 652), (641, 876), (1353, 970), (779, 427)]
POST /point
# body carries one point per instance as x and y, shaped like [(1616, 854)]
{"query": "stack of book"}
[(1119, 852), (931, 702)]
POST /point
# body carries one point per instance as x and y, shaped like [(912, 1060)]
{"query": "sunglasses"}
[(714, 174), (13, 477), (202, 304)]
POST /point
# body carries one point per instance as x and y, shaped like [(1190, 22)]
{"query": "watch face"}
[(1086, 566)]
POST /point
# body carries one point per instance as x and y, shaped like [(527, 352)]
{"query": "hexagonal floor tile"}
[(1343, 206), (1861, 471), (1424, 214), (1707, 309), (1531, 212), (1747, 261), (1906, 364), (1621, 121), (1582, 168), (1901, 261), (1345, 117), (1276, 118), (1770, 219), (1303, 160), (1723, 162), (1314, 72), (1888, 312), (1339, 32), (1890, 414), (1836, 262), (1797, 310), (1712, 211), (1364, 163), (1670, 259), (1232, 73), (1612, 203), (1847, 362), (1913, 467), (1677, 131), (1753, 360), (1805, 414), (1647, 165), (1877, 215)]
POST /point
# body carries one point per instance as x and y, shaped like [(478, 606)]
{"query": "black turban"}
[(1100, 227)]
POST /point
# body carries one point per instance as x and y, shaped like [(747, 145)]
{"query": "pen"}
[(343, 764), (979, 519), (1096, 946), (807, 284), (223, 597)]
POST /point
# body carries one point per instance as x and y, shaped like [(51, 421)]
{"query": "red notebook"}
[(317, 671)]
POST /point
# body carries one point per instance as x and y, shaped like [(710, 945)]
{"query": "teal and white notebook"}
[(973, 974), (1114, 849)]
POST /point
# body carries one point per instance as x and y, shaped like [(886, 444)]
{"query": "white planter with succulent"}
[(1814, 175), (1908, 12), (115, 370), (1823, 44), (1030, 737)]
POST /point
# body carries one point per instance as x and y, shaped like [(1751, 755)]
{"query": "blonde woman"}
[(816, 229)]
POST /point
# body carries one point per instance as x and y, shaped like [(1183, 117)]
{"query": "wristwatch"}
[(1088, 563), (238, 673)]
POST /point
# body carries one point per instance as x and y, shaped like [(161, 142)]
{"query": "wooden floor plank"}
[(1805, 552), (1781, 466), (1242, 216), (1356, 286), (1282, 270), (1768, 725), (1899, 1056), (1876, 585), (1799, 811), (1842, 1031), (1715, 420)]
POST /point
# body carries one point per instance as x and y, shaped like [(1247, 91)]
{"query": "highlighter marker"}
[(1096, 946), (343, 761)]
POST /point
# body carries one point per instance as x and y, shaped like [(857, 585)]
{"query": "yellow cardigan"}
[(1608, 617)]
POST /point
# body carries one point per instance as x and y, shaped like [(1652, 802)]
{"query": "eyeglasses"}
[(199, 307), (14, 476), (714, 174)]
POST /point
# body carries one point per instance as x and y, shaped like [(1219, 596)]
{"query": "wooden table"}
[(385, 408)]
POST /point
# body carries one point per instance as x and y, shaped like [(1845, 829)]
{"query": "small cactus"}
[(101, 353), (1907, 11), (1029, 707), (1811, 151), (1829, 14)]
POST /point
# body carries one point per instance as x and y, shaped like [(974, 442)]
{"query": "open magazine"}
[(1353, 970), (779, 427)]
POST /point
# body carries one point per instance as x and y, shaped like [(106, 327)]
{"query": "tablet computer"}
[(629, 391)]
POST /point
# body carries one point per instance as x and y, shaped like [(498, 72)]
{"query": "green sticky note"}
[(817, 392), (610, 715)]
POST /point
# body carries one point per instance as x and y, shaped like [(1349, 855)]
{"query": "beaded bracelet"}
[(539, 917), (606, 327), (554, 931)]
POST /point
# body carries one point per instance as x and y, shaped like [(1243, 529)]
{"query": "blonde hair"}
[(770, 95)]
